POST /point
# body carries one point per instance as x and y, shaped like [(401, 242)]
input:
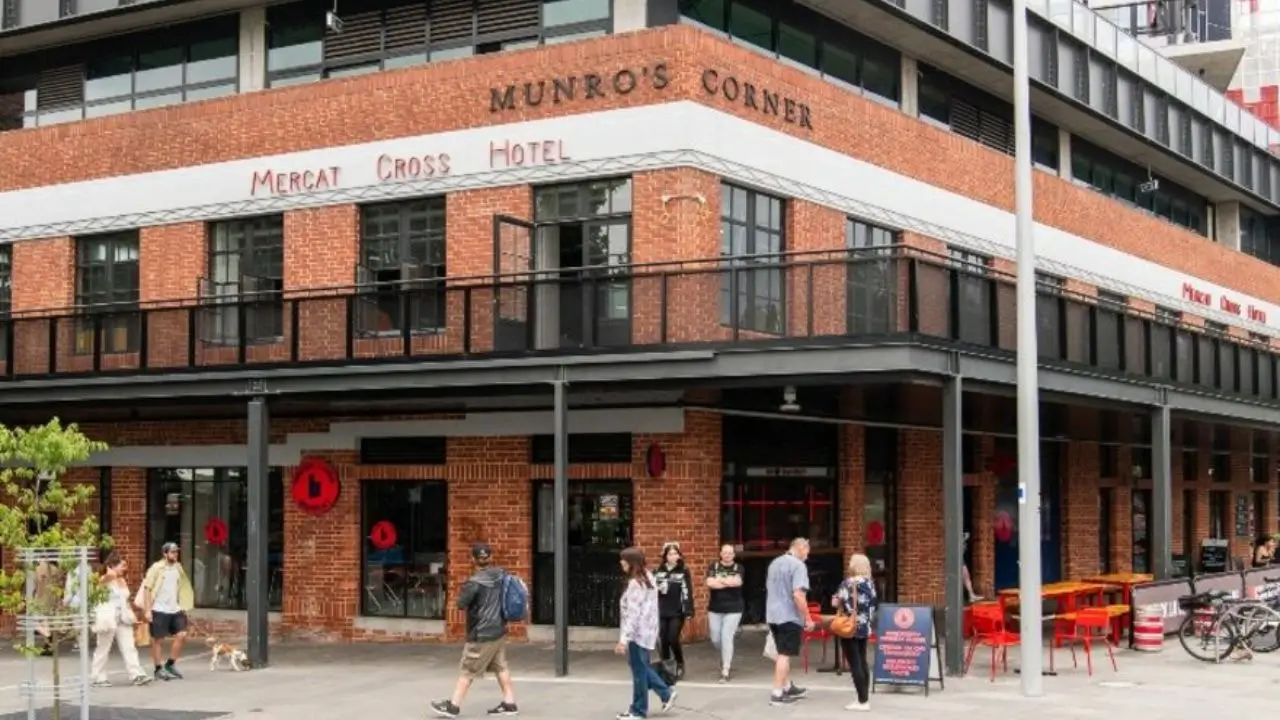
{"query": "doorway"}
[(1005, 522), (600, 527), (880, 513)]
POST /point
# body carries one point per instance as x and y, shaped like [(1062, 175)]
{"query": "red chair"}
[(1091, 625), (989, 630), (820, 631)]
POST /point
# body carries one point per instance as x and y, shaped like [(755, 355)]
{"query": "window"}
[(965, 110), (404, 578), (1141, 531), (1258, 511), (1219, 507), (404, 34), (1110, 328), (1190, 466), (1106, 506), (601, 516), (872, 295), (585, 230), (1109, 461), (183, 503), (1049, 309), (751, 240), (6, 295), (1120, 179), (107, 293), (764, 514), (104, 501), (246, 265), (973, 296), (402, 267)]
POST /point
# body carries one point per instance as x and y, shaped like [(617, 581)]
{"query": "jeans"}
[(669, 629), (724, 627), (122, 636), (855, 651), (643, 679)]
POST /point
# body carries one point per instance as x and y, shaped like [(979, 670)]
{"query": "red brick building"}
[(762, 279)]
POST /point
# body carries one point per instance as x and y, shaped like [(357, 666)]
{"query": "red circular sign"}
[(315, 486), (383, 535), (215, 531), (904, 618), (1004, 526), (875, 533), (655, 461)]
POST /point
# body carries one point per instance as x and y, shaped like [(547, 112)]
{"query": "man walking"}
[(787, 612), (486, 648), (165, 598)]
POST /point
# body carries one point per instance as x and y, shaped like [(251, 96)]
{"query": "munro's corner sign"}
[(758, 98), (587, 86)]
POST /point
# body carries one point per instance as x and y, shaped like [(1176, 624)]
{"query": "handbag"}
[(770, 647), (141, 635), (105, 619), (843, 626)]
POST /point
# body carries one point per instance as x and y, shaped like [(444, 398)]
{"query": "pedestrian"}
[(787, 612), (165, 598), (113, 622), (639, 635), (486, 648), (675, 603), (724, 610), (857, 598)]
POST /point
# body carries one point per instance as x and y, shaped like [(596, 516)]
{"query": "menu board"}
[(1213, 556), (906, 645)]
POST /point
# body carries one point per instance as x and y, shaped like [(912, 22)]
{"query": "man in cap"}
[(486, 648), (165, 598)]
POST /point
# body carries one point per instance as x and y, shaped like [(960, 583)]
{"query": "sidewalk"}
[(319, 682)]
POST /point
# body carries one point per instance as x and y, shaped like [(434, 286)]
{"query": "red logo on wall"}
[(1004, 526), (1001, 464), (875, 533), (382, 535), (655, 461), (215, 532), (315, 486)]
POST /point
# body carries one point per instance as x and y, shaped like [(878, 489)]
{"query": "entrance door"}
[(880, 513), (513, 257), (600, 526), (1005, 522)]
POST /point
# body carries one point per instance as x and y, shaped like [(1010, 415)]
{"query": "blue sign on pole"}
[(906, 643)]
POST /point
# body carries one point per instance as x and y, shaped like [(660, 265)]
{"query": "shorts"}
[(164, 625), (479, 658), (787, 638)]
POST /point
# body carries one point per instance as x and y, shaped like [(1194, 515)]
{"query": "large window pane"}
[(159, 68), (751, 237), (568, 12), (405, 578), (797, 45), (212, 60), (294, 37), (108, 76), (748, 24)]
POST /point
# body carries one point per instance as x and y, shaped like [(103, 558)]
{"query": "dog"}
[(229, 655)]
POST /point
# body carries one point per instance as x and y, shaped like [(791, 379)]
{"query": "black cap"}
[(481, 551)]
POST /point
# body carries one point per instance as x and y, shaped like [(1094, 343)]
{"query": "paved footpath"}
[(353, 682)]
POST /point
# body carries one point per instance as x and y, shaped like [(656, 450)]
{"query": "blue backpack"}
[(515, 598)]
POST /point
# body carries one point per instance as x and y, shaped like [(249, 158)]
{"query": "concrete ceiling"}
[(1215, 62)]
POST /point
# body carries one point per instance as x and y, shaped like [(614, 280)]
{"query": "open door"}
[(513, 253)]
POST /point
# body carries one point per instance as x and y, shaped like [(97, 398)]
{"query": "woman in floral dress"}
[(857, 598)]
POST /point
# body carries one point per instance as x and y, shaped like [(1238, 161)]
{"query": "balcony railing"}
[(881, 294)]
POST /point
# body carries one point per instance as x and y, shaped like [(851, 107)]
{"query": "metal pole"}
[(82, 592), (1161, 522), (30, 565), (1028, 390), (257, 577), (561, 528), (953, 522)]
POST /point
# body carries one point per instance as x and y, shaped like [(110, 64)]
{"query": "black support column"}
[(561, 527), (953, 521), (256, 574), (1161, 522)]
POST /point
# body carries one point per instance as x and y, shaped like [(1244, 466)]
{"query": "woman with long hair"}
[(857, 598), (113, 623), (675, 603), (639, 635)]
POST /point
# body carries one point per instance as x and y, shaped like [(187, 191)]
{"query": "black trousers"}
[(855, 651), (669, 639)]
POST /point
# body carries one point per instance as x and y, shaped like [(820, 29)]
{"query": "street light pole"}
[(1029, 578)]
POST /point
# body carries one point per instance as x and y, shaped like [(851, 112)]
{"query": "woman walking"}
[(724, 611), (639, 634), (675, 603), (113, 622), (857, 598)]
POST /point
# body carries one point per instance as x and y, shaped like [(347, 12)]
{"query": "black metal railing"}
[(868, 295)]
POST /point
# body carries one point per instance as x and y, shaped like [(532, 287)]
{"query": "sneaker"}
[(858, 706), (102, 683), (628, 715), (797, 692), (670, 702), (172, 669), (163, 674), (724, 676), (445, 708), (142, 680), (505, 708), (782, 699)]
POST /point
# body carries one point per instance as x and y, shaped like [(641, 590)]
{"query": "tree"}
[(35, 512)]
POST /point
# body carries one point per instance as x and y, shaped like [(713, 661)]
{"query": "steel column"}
[(257, 578), (561, 527), (953, 521), (1161, 521)]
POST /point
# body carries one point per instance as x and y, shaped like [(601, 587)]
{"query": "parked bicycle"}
[(1217, 625)]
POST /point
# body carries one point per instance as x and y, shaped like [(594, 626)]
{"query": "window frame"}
[(869, 272), (405, 538), (117, 320), (263, 305), (771, 261), (424, 296), (735, 497)]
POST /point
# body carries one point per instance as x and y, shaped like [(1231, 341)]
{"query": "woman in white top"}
[(639, 636), (113, 622)]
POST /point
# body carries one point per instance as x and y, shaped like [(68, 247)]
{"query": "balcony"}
[(886, 294)]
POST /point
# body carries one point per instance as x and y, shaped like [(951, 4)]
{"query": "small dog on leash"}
[(229, 655)]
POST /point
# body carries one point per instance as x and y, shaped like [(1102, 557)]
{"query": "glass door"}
[(513, 258), (600, 527)]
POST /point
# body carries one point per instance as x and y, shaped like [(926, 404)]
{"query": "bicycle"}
[(1216, 625)]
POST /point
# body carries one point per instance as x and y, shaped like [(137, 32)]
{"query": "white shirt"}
[(166, 599)]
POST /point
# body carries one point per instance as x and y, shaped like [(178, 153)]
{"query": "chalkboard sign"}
[(1213, 556), (906, 645), (1244, 516), (1181, 565)]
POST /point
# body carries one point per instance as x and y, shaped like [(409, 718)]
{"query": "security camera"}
[(332, 21)]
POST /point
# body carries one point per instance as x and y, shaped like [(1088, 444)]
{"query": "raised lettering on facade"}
[(587, 86), (508, 153), (414, 167), (1193, 294), (270, 182), (758, 98)]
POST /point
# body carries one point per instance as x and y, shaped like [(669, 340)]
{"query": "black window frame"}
[(409, 296), (1106, 524), (104, 310), (741, 282), (407, 534), (973, 295), (871, 278), (254, 295), (6, 297)]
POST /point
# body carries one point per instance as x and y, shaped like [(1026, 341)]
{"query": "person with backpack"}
[(491, 597)]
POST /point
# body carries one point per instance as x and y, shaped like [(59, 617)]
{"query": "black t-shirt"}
[(725, 600)]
